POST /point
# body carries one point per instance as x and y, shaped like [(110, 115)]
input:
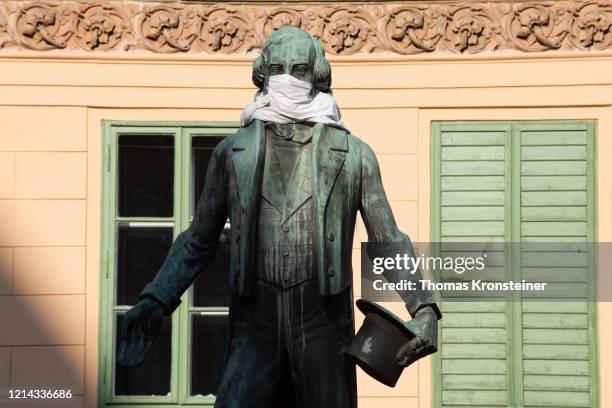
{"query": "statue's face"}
[(291, 56)]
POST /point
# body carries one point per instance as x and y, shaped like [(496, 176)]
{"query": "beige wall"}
[(51, 108)]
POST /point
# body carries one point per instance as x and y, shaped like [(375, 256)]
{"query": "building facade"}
[(490, 121)]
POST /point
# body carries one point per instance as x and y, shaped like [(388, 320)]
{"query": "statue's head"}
[(295, 52)]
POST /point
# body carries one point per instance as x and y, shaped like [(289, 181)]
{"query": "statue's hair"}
[(321, 69)]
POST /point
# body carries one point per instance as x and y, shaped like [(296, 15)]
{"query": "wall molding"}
[(343, 28)]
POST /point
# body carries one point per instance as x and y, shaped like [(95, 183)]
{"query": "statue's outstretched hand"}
[(424, 326), (140, 328)]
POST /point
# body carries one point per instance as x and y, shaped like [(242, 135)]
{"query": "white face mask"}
[(288, 94), (289, 100)]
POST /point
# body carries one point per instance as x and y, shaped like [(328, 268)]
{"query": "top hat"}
[(377, 342)]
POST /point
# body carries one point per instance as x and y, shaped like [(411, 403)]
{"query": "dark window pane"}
[(152, 377), (146, 176), (208, 342), (212, 286), (201, 150), (141, 251)]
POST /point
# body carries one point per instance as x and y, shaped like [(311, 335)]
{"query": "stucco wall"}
[(51, 108)]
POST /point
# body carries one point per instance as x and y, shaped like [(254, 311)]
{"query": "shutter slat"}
[(451, 350), (547, 274), (474, 320), (556, 352), (556, 382), (475, 213), (548, 213), (474, 382), (554, 259), (552, 168), (473, 366), (555, 336), (554, 138), (474, 398), (461, 335), (473, 183), (476, 168), (472, 138), (458, 228), (471, 154), (553, 153), (472, 198), (475, 307), (556, 367), (557, 399), (554, 198), (561, 183), (554, 321), (555, 307)]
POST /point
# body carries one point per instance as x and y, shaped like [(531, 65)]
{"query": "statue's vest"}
[(284, 232)]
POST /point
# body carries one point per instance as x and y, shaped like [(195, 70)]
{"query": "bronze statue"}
[(291, 180)]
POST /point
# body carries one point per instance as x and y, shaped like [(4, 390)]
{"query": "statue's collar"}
[(298, 132), (324, 137)]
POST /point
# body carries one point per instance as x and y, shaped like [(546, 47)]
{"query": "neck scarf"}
[(287, 99)]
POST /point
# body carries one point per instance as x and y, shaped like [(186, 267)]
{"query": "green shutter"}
[(556, 197), (517, 182), (471, 175)]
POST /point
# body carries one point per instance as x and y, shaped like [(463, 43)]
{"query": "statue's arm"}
[(382, 228), (195, 247)]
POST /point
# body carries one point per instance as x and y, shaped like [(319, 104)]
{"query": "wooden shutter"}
[(471, 173), (517, 182), (556, 205)]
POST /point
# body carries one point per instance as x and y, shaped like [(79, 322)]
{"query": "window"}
[(153, 177), (518, 182)]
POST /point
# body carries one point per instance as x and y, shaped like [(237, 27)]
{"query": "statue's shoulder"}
[(246, 136), (352, 140), (355, 140), (358, 145)]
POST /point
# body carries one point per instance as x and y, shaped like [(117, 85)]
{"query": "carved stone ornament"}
[(344, 31), (101, 27), (412, 30), (592, 27), (166, 29), (470, 30), (539, 28), (41, 26), (226, 30), (343, 28), (282, 17), (3, 32)]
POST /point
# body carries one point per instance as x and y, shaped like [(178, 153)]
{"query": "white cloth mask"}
[(289, 100)]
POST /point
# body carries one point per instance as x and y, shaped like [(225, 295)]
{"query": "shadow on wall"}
[(42, 323)]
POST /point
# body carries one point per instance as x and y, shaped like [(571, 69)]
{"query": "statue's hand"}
[(424, 326), (140, 328)]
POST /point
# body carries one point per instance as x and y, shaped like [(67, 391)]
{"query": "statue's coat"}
[(345, 179)]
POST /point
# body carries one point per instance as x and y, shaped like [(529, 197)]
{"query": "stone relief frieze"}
[(343, 28)]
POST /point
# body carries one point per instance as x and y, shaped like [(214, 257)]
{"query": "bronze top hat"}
[(377, 342)]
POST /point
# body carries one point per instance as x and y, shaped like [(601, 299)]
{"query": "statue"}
[(291, 180)]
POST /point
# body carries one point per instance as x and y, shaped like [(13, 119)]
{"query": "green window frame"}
[(512, 145), (182, 134)]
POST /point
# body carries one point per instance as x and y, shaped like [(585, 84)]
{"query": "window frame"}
[(513, 129), (183, 133)]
